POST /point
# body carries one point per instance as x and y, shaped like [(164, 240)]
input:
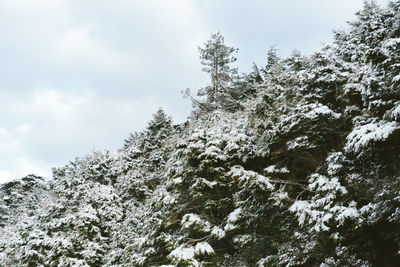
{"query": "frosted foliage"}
[(221, 137), (65, 261), (324, 206), (249, 178), (390, 45), (217, 232), (299, 142), (203, 248), (87, 215), (182, 253), (279, 196), (187, 254), (8, 236), (334, 161), (361, 136), (395, 113), (274, 169), (353, 87), (242, 239), (167, 197), (234, 215), (342, 253), (303, 112), (232, 218), (201, 182), (194, 221), (316, 110)]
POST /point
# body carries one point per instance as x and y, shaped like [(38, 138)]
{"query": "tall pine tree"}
[(216, 58)]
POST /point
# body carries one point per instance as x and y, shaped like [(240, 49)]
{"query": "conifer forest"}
[(296, 163)]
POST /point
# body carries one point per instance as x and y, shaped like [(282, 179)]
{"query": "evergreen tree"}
[(272, 57), (216, 58)]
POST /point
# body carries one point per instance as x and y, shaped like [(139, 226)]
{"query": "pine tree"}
[(216, 58), (272, 58)]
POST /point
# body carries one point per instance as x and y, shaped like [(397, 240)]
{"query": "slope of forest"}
[(294, 164)]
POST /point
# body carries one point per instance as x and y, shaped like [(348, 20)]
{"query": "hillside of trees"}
[(296, 163)]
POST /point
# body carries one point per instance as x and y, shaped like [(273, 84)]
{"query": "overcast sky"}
[(81, 75)]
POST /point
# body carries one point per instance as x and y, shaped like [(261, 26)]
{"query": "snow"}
[(234, 215), (203, 248), (232, 218), (194, 146), (187, 254), (88, 215), (265, 261), (279, 196), (298, 206), (202, 181), (198, 134), (349, 212), (66, 261), (212, 152), (396, 112), (275, 169), (317, 109), (182, 253), (334, 165), (264, 182), (168, 199), (242, 239), (299, 142), (250, 177), (350, 87), (391, 44), (219, 137), (191, 220), (303, 111), (361, 136), (323, 183), (218, 232), (177, 180), (324, 206)]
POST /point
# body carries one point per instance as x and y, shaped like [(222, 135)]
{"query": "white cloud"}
[(8, 143), (20, 167), (100, 45), (14, 162), (29, 6), (24, 166), (79, 48), (5, 176), (53, 127)]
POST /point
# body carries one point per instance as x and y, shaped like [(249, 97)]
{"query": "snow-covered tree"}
[(216, 58)]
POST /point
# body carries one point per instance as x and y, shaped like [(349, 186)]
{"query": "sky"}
[(78, 76)]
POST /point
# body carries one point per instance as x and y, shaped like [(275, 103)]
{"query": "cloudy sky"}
[(81, 75)]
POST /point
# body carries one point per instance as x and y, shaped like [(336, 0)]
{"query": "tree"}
[(216, 58), (157, 130), (272, 57)]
